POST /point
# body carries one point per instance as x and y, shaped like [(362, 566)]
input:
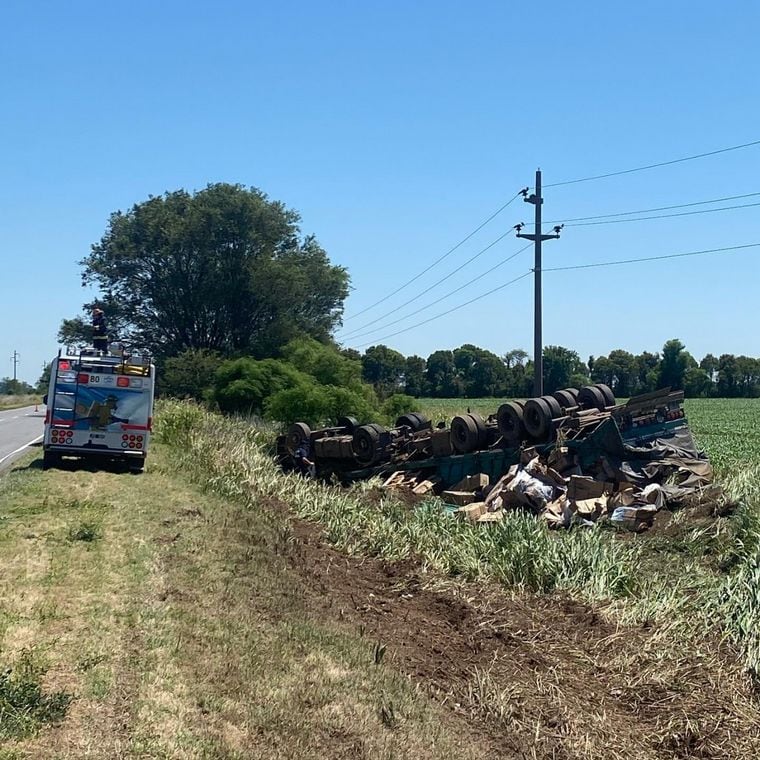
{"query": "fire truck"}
[(99, 407)]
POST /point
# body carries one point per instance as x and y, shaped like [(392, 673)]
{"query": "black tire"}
[(349, 424), (423, 423), (408, 420), (297, 433), (554, 406), (465, 433), (413, 420), (609, 396), (366, 443), (50, 459), (590, 397), (566, 398), (480, 423), (511, 425), (537, 417)]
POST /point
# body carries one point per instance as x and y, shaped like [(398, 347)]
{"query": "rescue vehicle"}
[(99, 406)]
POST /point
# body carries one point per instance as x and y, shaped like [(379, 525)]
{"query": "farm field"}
[(216, 607)]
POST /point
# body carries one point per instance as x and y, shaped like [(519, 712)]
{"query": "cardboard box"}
[(472, 511), (581, 488), (491, 517), (460, 498), (472, 482)]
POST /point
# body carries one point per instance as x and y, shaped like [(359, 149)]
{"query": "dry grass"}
[(179, 629), (16, 402)]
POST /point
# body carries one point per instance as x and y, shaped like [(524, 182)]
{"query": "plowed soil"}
[(540, 676)]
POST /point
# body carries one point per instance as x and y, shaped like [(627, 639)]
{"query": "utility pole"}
[(15, 360), (537, 237)]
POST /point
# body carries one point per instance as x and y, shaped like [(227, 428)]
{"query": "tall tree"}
[(442, 374), (675, 361), (384, 368), (414, 376), (223, 269), (562, 367)]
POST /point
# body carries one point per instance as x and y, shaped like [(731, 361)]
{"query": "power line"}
[(439, 259), (652, 258), (665, 216), (562, 269), (429, 288), (444, 297), (448, 311), (651, 210), (654, 166)]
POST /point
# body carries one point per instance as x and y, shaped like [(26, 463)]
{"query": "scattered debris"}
[(575, 457)]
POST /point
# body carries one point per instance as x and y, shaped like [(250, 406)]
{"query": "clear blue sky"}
[(395, 128)]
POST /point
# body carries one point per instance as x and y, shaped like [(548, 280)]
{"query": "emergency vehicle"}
[(99, 406)]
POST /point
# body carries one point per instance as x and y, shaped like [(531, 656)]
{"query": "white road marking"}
[(21, 448)]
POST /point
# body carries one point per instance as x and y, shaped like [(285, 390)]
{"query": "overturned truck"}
[(577, 432)]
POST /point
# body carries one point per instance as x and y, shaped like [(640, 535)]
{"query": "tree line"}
[(239, 308), (470, 372)]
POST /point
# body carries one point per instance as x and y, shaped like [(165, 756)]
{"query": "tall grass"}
[(738, 602), (231, 458)]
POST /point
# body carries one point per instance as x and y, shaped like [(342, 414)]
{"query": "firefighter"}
[(304, 466), (99, 331)]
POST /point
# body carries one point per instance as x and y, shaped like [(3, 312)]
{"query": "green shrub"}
[(190, 374), (243, 385), (325, 363), (398, 404), (317, 404)]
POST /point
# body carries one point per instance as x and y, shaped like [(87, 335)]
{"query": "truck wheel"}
[(465, 434), (537, 417), (511, 426), (554, 406), (50, 459), (609, 396), (298, 432), (366, 443), (567, 398), (349, 424), (591, 397)]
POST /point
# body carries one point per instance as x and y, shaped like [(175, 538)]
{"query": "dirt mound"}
[(541, 676)]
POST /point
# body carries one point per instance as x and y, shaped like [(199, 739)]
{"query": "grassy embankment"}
[(16, 402), (143, 617)]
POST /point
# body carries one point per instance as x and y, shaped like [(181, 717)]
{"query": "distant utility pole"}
[(15, 360), (537, 237)]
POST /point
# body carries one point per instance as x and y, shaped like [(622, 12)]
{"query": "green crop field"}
[(728, 429)]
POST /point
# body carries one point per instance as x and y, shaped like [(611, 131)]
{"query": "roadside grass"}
[(16, 402), (704, 594), (167, 622)]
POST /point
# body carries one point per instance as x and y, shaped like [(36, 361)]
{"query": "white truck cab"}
[(99, 406)]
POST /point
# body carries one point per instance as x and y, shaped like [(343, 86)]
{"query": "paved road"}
[(19, 428)]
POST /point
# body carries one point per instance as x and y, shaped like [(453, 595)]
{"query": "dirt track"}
[(540, 676)]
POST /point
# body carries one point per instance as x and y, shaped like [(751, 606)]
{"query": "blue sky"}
[(395, 129)]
